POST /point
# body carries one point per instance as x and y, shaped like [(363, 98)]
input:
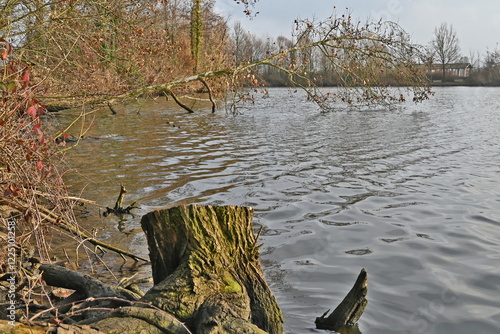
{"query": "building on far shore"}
[(452, 71)]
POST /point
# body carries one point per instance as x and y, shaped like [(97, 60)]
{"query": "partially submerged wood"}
[(350, 309), (118, 209), (95, 292), (207, 271)]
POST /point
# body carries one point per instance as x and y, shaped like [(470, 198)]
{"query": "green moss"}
[(231, 286), (183, 311)]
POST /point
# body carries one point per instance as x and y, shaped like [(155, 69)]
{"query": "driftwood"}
[(88, 286), (350, 309), (85, 287), (118, 208), (207, 276)]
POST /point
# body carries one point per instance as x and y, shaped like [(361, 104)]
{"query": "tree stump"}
[(207, 271)]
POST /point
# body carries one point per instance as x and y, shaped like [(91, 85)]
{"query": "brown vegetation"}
[(101, 49), (30, 168), (110, 47)]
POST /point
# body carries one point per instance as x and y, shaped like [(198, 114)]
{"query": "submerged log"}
[(350, 309), (207, 271)]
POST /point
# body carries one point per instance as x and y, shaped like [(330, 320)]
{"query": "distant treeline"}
[(485, 69)]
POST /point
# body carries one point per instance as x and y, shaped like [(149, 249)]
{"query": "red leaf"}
[(26, 75), (32, 112), (36, 128), (39, 165)]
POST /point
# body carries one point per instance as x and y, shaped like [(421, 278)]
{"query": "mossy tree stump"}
[(207, 271)]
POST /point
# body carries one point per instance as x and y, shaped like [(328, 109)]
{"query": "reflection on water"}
[(411, 195)]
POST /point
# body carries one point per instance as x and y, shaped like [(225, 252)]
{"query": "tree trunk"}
[(196, 33), (207, 271)]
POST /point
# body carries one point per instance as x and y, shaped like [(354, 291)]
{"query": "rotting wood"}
[(150, 320), (44, 328), (85, 286), (62, 277), (211, 279), (350, 309)]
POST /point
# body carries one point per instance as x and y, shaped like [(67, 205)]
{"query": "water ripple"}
[(412, 196)]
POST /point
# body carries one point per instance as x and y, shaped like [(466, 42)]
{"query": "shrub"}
[(30, 166)]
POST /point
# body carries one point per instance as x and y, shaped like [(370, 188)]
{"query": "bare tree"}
[(241, 43), (492, 58), (446, 46), (492, 64), (196, 33)]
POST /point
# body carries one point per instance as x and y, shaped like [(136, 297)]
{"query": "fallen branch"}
[(164, 88), (62, 224), (110, 106), (62, 277), (182, 105), (210, 96)]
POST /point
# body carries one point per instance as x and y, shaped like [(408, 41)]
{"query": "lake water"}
[(412, 195)]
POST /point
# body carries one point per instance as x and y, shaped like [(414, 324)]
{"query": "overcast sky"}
[(477, 22)]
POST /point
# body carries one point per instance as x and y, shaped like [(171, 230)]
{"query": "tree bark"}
[(207, 271)]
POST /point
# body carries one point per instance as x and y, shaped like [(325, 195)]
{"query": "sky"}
[(476, 22)]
